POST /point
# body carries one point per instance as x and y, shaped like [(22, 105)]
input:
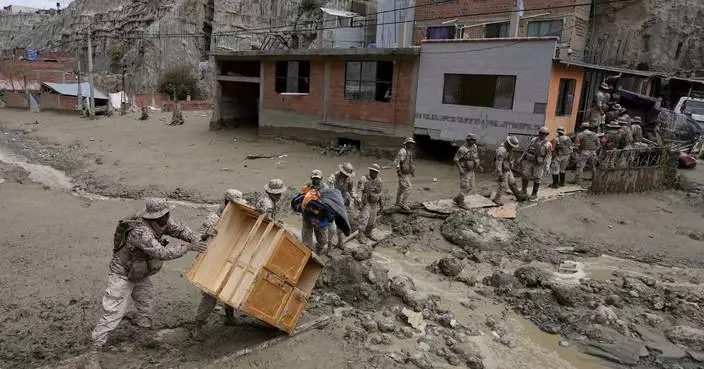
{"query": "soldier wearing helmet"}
[(370, 190), (637, 129), (533, 162), (562, 149), (405, 169), (503, 162), (587, 143), (269, 200), (466, 159), (343, 180)]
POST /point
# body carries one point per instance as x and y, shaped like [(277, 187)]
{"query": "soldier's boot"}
[(93, 359), (230, 315), (370, 235), (361, 238), (197, 331), (524, 186), (555, 181), (534, 194), (497, 198), (563, 177), (518, 194)]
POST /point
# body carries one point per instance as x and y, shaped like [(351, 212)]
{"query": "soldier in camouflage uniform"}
[(611, 142), (533, 162), (308, 229), (269, 200), (137, 255), (343, 180), (466, 159), (405, 169), (503, 162), (603, 96), (637, 129), (626, 133), (370, 190), (595, 115), (208, 302), (587, 143), (562, 149)]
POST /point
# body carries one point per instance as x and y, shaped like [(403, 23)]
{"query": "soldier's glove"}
[(211, 232), (199, 246)]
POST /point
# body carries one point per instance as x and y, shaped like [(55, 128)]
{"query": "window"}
[(292, 77), (479, 90), (496, 30), (369, 80), (565, 97), (441, 33), (545, 28)]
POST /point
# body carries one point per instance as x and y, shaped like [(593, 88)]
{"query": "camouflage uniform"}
[(534, 160), (466, 158), (504, 162), (587, 145), (265, 204), (370, 191), (405, 170), (130, 269), (345, 184), (308, 230), (613, 140)]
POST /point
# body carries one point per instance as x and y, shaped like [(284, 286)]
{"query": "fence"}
[(633, 170)]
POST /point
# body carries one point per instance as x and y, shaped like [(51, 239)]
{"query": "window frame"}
[(451, 33), (497, 79), (564, 104), (361, 82), (281, 81), (541, 22), (501, 25)]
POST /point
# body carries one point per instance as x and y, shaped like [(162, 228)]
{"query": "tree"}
[(179, 82)]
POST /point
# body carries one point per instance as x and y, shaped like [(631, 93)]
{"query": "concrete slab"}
[(448, 206)]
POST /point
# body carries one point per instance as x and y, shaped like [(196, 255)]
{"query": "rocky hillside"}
[(662, 35)]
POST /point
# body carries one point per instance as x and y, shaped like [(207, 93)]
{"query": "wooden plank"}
[(305, 327), (448, 206), (506, 211), (222, 283), (244, 263)]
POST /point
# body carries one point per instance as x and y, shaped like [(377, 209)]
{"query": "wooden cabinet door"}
[(267, 298), (292, 311), (288, 259)]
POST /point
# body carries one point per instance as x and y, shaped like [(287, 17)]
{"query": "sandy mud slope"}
[(580, 282)]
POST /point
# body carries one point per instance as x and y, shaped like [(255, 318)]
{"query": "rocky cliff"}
[(662, 35)]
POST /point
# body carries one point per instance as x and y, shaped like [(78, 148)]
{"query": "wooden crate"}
[(255, 265)]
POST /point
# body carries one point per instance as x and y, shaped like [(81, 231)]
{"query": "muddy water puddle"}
[(534, 348)]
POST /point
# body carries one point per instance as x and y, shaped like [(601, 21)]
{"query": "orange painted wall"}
[(563, 71)]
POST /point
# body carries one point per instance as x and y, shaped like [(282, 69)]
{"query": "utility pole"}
[(122, 94), (78, 74), (91, 102)]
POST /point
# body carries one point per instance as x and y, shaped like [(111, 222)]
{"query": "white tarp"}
[(117, 99)]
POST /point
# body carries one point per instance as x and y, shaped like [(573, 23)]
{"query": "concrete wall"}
[(552, 121), (529, 61)]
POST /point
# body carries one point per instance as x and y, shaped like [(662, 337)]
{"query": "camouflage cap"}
[(585, 125), (637, 120), (156, 208), (375, 167), (275, 186), (409, 140), (347, 169), (316, 173), (233, 195), (561, 129), (512, 141), (471, 136)]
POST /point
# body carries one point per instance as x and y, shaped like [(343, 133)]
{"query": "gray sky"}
[(44, 4)]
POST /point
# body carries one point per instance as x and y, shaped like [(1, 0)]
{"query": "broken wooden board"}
[(448, 206), (506, 211)]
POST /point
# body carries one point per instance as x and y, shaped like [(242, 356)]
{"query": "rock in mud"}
[(414, 319), (470, 281), (403, 288), (447, 320), (349, 279), (614, 300), (503, 282), (475, 363), (685, 335), (386, 326), (604, 315), (474, 231), (565, 296), (369, 324), (653, 320), (355, 334), (626, 352), (531, 276), (450, 267), (362, 253), (421, 361), (381, 339)]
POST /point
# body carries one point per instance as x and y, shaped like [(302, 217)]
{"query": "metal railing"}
[(632, 158)]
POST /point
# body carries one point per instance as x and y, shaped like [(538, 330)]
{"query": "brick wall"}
[(15, 99), (465, 11), (57, 102), (141, 100), (188, 105), (312, 103), (395, 111)]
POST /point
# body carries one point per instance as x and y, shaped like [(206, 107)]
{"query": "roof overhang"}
[(316, 53)]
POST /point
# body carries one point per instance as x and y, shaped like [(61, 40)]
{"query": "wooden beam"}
[(245, 79), (305, 327)]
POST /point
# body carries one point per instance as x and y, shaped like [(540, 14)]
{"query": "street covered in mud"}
[(578, 281)]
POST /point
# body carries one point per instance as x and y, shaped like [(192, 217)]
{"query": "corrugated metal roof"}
[(605, 68), (71, 89)]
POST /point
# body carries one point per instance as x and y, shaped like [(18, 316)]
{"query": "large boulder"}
[(688, 336), (473, 231)]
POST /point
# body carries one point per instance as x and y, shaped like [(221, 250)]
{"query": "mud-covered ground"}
[(644, 249)]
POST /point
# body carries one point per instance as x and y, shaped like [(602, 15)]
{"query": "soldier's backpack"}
[(124, 226)]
